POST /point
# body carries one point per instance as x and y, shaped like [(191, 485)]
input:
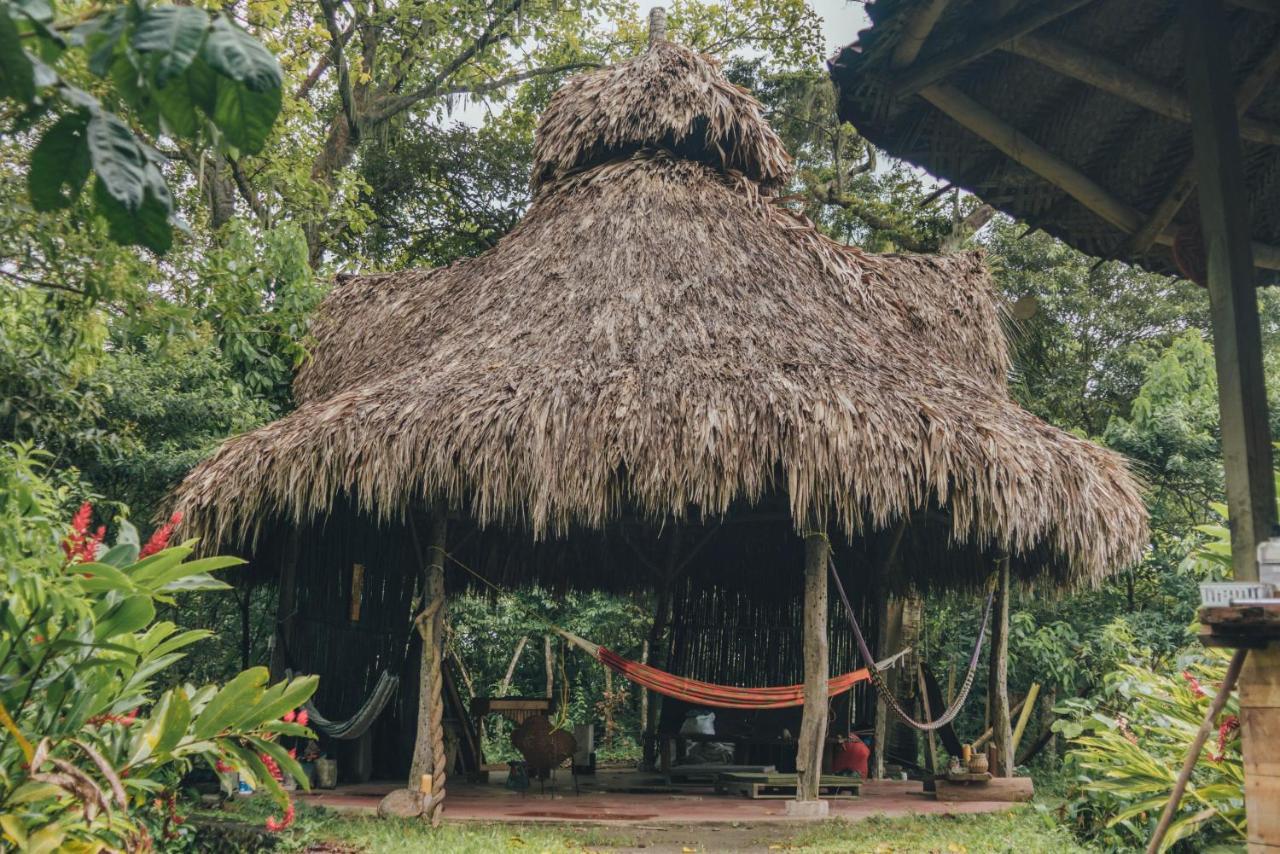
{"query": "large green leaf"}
[(232, 52), (178, 107), (101, 36), (245, 115), (147, 225), (118, 159), (17, 76), (238, 695), (126, 616), (172, 35), (157, 576), (60, 163), (281, 698)]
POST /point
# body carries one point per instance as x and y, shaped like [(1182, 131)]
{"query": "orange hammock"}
[(705, 693)]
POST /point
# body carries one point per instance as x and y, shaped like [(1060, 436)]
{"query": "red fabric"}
[(720, 696), (851, 756)]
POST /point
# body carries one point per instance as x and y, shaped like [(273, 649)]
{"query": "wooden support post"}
[(998, 676), (813, 721), (1260, 730), (428, 746), (658, 643), (1237, 343), (932, 752), (286, 606)]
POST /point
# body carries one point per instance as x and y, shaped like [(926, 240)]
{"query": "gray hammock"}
[(359, 723)]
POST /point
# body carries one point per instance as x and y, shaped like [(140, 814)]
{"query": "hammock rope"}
[(695, 691), (876, 679)]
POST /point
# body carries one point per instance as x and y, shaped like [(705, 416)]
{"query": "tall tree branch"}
[(338, 57), (324, 64)]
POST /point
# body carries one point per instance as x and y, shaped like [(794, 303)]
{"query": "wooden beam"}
[(934, 68), (1181, 188), (1026, 151), (813, 720), (1237, 340), (286, 607), (917, 33), (1112, 77), (1022, 149), (998, 677)]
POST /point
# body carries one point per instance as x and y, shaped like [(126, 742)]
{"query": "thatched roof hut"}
[(660, 337), (658, 347)]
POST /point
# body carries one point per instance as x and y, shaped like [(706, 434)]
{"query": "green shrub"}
[(93, 748), (1129, 745)]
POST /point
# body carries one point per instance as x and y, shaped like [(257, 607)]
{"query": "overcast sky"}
[(841, 21)]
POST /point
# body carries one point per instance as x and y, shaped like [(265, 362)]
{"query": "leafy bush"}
[(1129, 745), (94, 750)]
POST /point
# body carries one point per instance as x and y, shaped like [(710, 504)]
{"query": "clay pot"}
[(978, 763)]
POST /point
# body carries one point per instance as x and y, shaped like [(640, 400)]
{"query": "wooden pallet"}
[(761, 786), (709, 773)]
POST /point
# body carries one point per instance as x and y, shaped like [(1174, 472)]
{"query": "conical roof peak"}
[(668, 97)]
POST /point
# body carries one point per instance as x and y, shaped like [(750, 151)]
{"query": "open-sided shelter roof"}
[(660, 337), (1070, 115)]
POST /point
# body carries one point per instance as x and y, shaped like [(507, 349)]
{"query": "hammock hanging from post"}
[(693, 690), (359, 723), (708, 694)]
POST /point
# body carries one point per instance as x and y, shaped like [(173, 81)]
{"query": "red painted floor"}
[(494, 803)]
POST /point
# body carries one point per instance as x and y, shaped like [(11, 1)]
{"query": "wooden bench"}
[(758, 786)]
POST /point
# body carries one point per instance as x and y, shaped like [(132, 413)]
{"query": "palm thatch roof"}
[(659, 337)]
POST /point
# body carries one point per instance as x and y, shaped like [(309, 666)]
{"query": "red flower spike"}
[(1193, 683), (302, 718), (160, 538), (276, 825), (289, 716)]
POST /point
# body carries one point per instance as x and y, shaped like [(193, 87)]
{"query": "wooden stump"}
[(1260, 731)]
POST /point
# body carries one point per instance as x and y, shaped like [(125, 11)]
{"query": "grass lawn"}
[(1022, 830)]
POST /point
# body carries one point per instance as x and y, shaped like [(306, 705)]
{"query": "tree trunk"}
[(551, 664), (511, 668), (998, 677), (430, 681), (813, 721)]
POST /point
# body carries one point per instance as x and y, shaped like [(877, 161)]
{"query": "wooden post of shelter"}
[(998, 677), (813, 721), (427, 771), (286, 606), (1242, 396)]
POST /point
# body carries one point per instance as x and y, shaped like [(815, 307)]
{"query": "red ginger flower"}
[(1193, 683), (160, 538), (80, 546), (1229, 727), (276, 825), (302, 718), (289, 716)]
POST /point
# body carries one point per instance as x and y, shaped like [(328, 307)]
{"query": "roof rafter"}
[(933, 68), (1180, 190), (1021, 148), (1112, 77)]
